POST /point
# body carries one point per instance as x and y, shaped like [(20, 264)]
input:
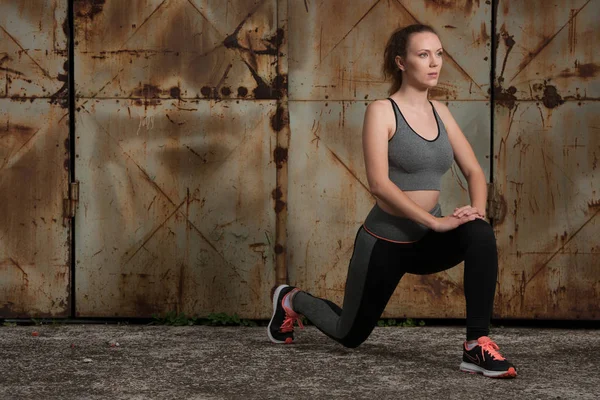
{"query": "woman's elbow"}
[(376, 188)]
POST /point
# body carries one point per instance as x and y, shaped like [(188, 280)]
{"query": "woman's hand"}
[(466, 211), (449, 222)]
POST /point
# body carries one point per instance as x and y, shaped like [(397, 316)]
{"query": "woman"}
[(409, 142)]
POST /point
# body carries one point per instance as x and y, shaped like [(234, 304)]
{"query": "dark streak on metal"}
[(25, 276), (195, 153), (509, 42), (12, 71)]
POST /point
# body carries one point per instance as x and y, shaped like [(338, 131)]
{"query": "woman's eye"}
[(422, 55), (440, 54)]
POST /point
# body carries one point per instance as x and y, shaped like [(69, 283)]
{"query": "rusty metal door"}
[(336, 54), (177, 110), (546, 150), (34, 160)]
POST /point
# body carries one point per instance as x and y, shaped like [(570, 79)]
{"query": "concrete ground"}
[(200, 362)]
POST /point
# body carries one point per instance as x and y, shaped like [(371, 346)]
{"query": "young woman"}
[(409, 142)]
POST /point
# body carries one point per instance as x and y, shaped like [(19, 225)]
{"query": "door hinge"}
[(70, 204)]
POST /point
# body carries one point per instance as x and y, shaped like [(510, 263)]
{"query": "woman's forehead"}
[(424, 41)]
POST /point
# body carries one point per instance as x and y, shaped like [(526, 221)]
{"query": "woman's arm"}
[(375, 148), (467, 162)]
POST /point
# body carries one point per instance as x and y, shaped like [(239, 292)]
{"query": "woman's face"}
[(423, 62)]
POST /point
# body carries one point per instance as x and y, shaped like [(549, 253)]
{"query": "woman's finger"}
[(457, 211)]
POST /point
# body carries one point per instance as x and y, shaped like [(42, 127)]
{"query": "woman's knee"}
[(478, 231)]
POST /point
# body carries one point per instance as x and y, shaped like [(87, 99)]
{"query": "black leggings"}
[(378, 265)]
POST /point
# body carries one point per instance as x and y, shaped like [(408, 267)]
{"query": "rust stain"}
[(149, 95), (242, 91), (505, 97), (280, 119), (277, 193), (206, 91), (88, 8), (445, 5), (279, 206), (280, 154), (589, 70), (509, 42), (278, 249), (551, 97)]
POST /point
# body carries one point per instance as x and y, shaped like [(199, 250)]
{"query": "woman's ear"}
[(399, 63)]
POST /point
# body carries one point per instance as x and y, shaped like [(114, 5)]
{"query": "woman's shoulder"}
[(379, 107)]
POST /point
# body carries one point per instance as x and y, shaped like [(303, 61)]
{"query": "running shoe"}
[(485, 359), (281, 326)]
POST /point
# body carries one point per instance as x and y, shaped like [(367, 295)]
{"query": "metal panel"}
[(177, 49), (336, 54), (548, 239), (336, 51), (175, 208), (546, 151), (34, 160), (33, 49), (178, 195)]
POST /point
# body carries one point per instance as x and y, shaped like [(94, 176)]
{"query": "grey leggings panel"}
[(326, 315)]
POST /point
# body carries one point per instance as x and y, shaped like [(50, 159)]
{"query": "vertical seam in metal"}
[(492, 97), (71, 55)]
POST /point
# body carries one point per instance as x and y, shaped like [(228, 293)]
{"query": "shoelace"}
[(288, 323), (492, 348)]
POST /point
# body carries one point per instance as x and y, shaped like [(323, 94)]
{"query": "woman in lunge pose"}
[(409, 142)]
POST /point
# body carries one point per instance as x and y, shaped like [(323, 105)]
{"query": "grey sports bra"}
[(415, 163)]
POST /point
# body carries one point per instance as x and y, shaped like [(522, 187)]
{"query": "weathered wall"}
[(218, 146)]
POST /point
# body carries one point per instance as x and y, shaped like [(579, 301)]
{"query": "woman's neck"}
[(413, 96)]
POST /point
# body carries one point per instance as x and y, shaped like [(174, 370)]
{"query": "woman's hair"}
[(396, 46)]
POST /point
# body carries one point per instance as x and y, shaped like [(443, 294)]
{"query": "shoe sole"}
[(474, 369), (275, 298)]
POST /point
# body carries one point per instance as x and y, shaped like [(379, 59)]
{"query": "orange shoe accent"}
[(488, 345), (289, 340), (291, 317)]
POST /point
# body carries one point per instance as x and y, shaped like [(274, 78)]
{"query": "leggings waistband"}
[(392, 228)]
